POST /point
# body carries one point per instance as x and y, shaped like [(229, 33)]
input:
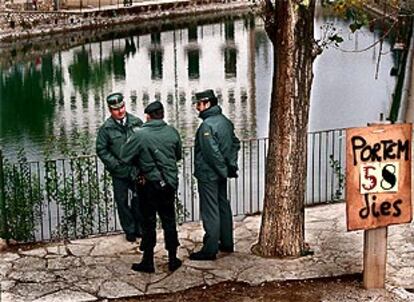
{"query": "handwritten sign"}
[(378, 173)]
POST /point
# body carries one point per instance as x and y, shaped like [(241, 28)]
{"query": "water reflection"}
[(64, 92), (230, 51), (193, 53), (28, 94), (348, 87), (156, 53), (193, 63)]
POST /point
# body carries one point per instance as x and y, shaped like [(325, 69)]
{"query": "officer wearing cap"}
[(111, 135), (156, 148), (215, 159)]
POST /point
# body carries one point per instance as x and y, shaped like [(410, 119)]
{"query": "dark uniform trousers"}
[(216, 215), (129, 216), (156, 200)]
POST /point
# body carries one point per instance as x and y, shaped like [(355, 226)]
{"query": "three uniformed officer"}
[(215, 159), (111, 136), (156, 148)]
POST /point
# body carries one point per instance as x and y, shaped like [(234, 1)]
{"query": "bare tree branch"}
[(373, 44)]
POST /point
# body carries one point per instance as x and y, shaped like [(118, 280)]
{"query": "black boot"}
[(173, 262), (201, 256), (147, 263), (226, 249)]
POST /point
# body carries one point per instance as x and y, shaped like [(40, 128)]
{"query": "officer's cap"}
[(204, 96), (115, 100), (154, 106)]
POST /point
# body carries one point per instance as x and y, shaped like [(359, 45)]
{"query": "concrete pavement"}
[(97, 269)]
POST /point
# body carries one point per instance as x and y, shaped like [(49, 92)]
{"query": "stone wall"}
[(49, 5), (90, 3), (31, 20), (22, 50), (22, 25), (28, 5)]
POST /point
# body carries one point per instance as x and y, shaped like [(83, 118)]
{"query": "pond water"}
[(57, 94)]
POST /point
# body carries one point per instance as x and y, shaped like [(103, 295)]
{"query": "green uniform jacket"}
[(216, 146), (156, 146), (111, 137)]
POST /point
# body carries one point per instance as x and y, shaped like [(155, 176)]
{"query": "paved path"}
[(99, 268)]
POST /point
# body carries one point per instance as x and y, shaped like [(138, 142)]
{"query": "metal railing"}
[(72, 197)]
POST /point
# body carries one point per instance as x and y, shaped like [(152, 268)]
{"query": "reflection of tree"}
[(87, 75), (118, 58), (79, 70), (27, 97)]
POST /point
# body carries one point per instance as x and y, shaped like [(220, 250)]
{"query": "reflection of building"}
[(156, 56), (169, 66), (193, 63), (193, 54), (230, 51)]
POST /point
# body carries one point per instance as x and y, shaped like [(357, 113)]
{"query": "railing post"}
[(3, 216)]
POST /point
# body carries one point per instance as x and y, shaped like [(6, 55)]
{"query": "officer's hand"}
[(141, 180), (232, 172)]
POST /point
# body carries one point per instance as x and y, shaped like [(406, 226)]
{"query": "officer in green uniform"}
[(215, 159), (156, 148), (111, 136)]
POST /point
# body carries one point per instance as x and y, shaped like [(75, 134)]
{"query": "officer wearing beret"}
[(156, 148), (111, 135), (215, 159)]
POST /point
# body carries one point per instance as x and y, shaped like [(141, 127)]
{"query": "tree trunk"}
[(282, 228)]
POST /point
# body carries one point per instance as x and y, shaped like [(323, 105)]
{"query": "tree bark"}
[(282, 228)]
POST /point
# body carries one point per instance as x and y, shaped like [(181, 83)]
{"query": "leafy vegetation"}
[(22, 200), (70, 197), (340, 176)]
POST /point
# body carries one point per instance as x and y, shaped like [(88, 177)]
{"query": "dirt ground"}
[(348, 288)]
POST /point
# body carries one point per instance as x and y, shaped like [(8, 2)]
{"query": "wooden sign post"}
[(378, 190)]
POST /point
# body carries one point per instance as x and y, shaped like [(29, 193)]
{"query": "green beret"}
[(154, 106)]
